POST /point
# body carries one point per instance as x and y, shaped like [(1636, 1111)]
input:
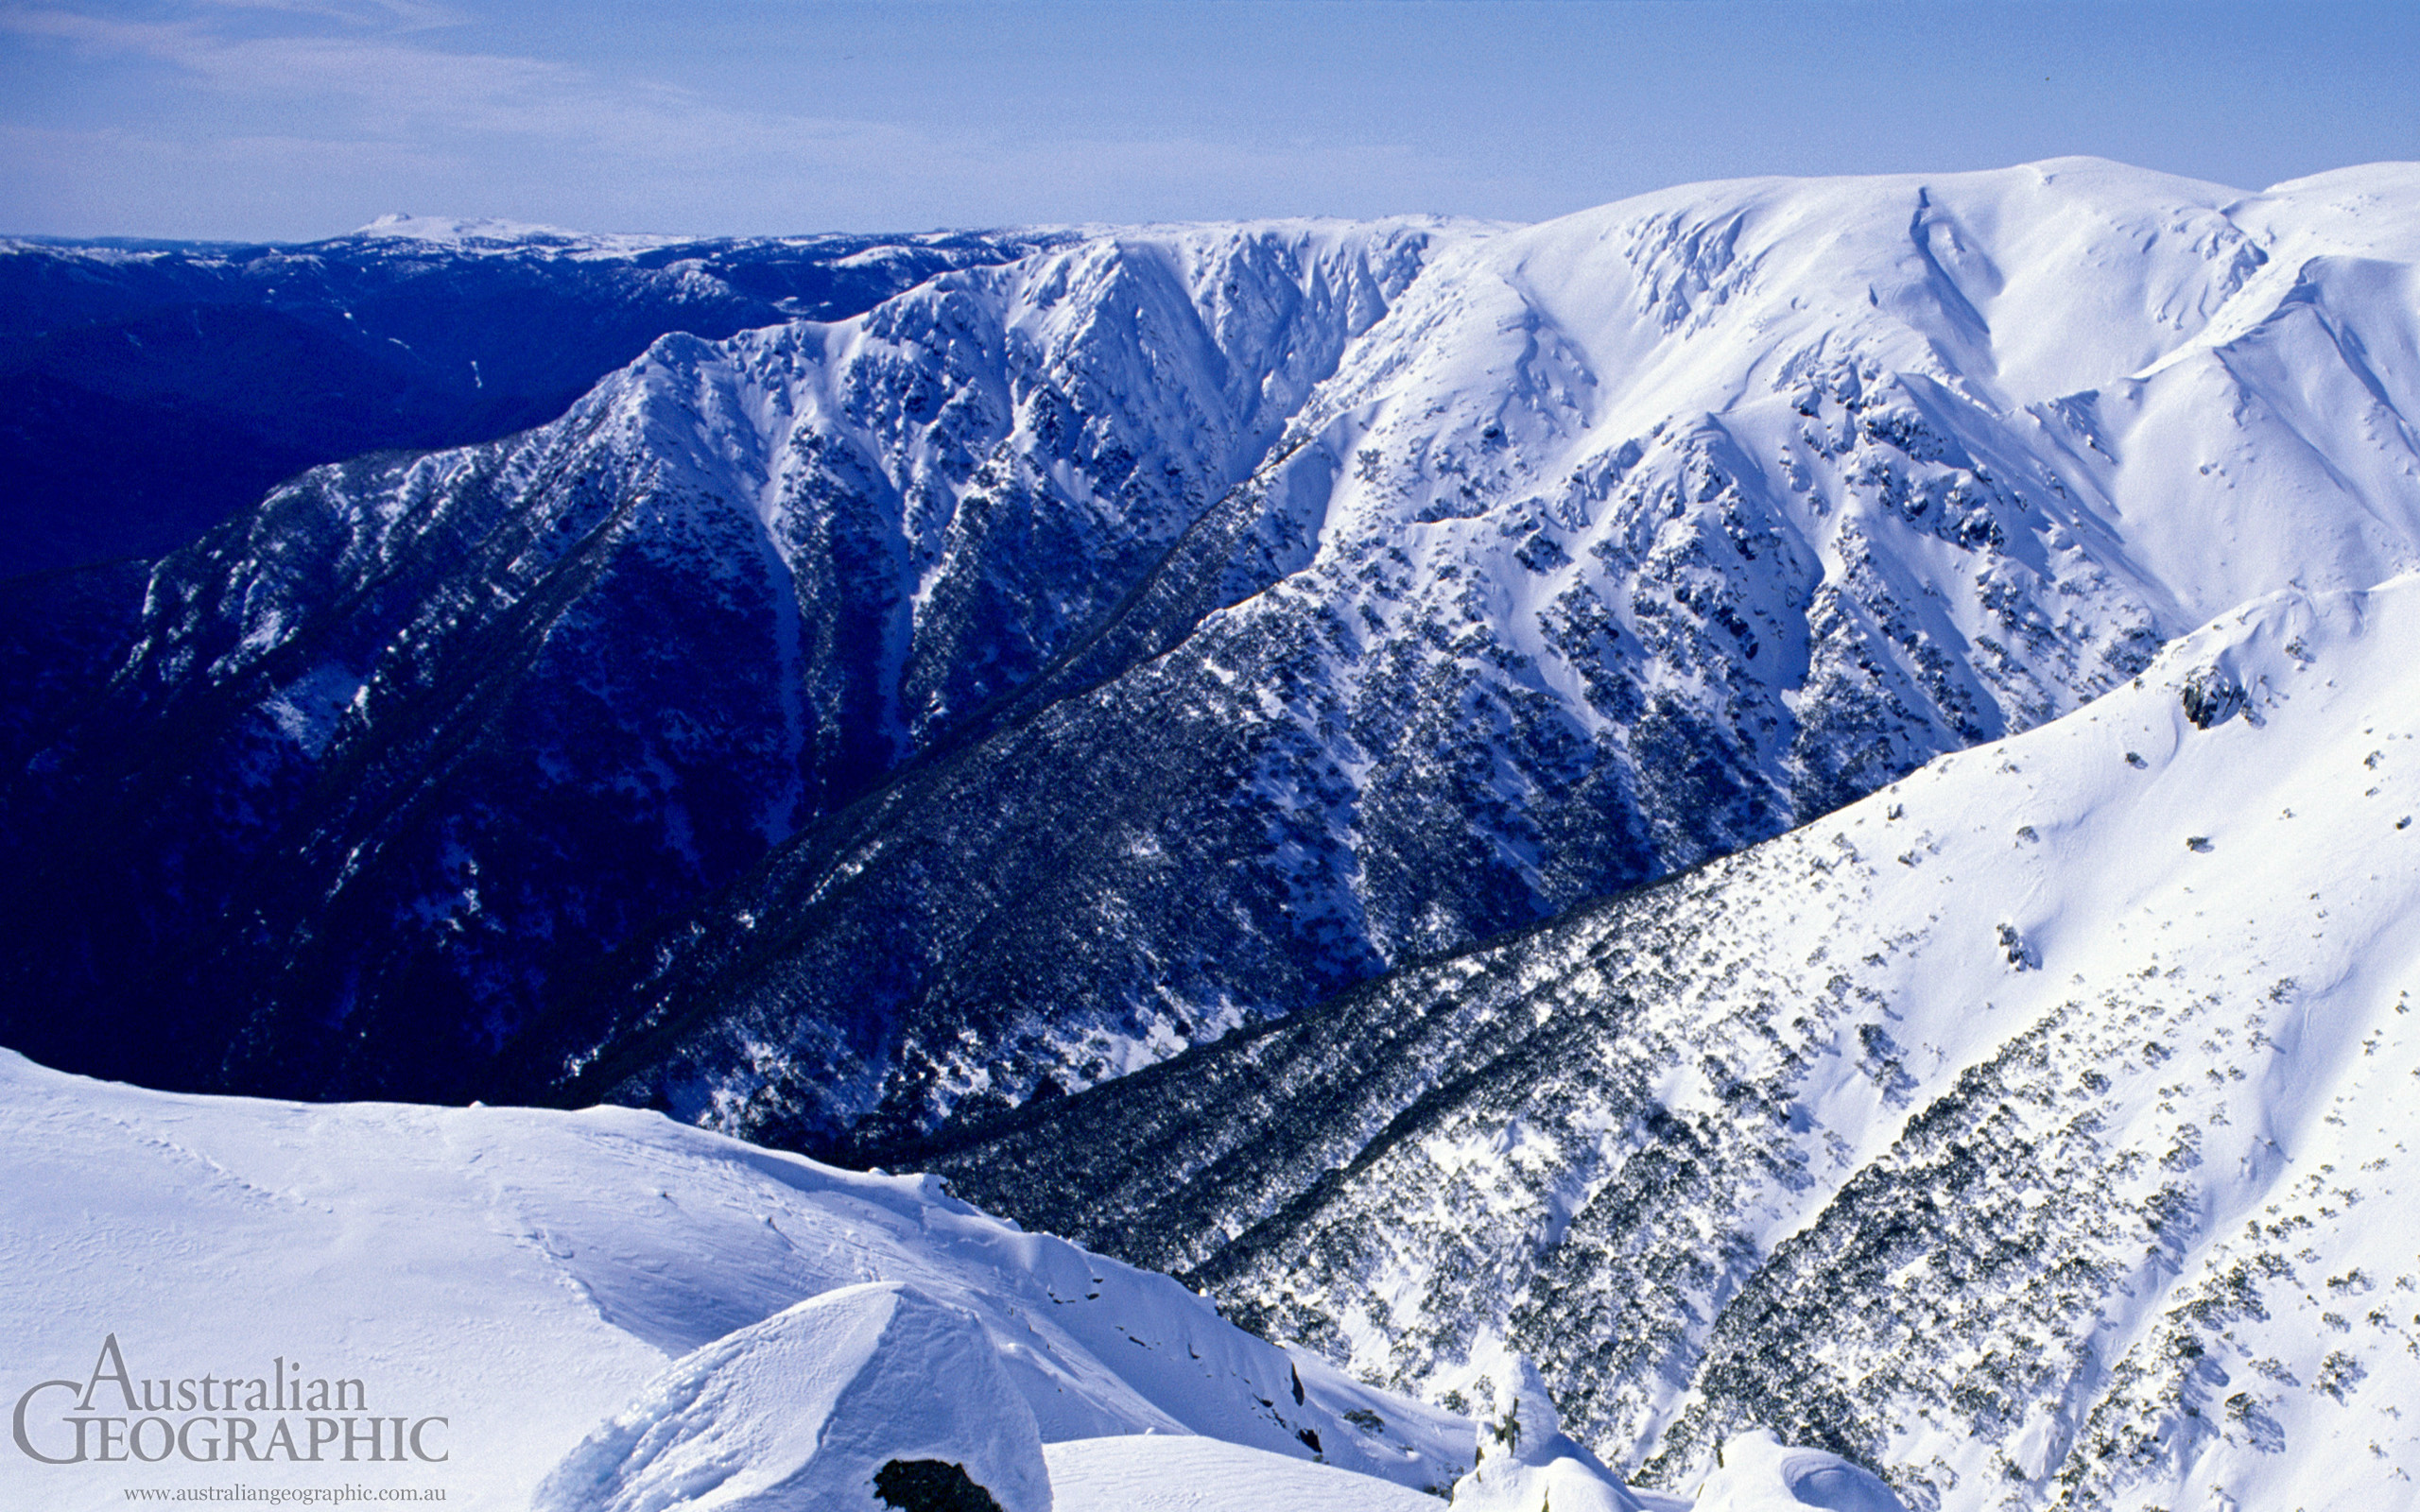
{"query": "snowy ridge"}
[(2026, 1130), (734, 1329), (1809, 463), (164, 385), (482, 232), (808, 1408), (1018, 432)]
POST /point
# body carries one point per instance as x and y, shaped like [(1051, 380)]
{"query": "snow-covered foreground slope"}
[(1759, 1473), (1159, 1474), (2032, 1130), (531, 1284)]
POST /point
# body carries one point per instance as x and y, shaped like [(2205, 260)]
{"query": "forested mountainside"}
[(396, 756), (2031, 1129), (1620, 542)]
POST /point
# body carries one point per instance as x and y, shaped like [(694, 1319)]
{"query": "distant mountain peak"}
[(468, 233)]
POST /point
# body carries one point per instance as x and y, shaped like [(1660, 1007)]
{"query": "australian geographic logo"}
[(214, 1419)]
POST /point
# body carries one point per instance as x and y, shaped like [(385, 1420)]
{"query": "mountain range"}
[(851, 726)]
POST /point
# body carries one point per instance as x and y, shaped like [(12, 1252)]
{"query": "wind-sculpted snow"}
[(1620, 542), (2028, 1130), (634, 1313), (809, 1409), (1525, 1463), (1159, 1474), (396, 756)]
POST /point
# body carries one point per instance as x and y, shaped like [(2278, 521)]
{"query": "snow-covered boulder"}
[(838, 1402), (1760, 1473), (1527, 1464)]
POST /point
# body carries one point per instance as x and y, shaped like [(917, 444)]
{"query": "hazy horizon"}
[(294, 119)]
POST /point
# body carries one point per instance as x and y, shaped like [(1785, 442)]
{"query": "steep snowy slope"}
[(2031, 1130), (1622, 541), (153, 387), (397, 754), (507, 1281)]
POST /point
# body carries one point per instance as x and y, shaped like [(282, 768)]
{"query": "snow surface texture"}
[(1070, 660), (537, 1276), (1158, 1474), (2029, 1130)]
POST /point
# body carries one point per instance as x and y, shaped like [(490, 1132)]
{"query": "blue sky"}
[(300, 119)]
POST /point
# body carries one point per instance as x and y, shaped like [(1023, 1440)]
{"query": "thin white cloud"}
[(409, 14), (383, 67), (364, 100)]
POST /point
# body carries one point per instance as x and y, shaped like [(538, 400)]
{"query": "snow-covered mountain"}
[(1120, 640), (2030, 1130), (847, 727), (1620, 542), (488, 236)]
